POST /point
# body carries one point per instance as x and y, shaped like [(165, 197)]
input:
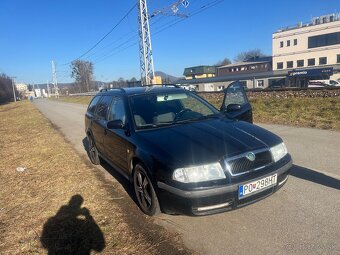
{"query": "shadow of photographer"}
[(72, 230)]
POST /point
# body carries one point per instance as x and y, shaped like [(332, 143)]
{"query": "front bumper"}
[(217, 199)]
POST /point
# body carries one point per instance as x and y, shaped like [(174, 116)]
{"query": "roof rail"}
[(163, 85), (107, 89)]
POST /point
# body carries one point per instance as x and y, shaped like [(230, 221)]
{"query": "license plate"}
[(250, 188)]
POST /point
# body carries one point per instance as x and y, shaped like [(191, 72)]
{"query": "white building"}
[(21, 87), (309, 51)]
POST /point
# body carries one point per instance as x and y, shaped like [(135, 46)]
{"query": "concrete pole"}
[(14, 96)]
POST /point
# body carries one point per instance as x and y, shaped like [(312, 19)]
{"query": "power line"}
[(119, 39), (164, 27), (197, 11), (156, 19), (111, 30)]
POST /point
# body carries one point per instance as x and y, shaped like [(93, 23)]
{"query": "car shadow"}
[(72, 230), (128, 187), (314, 176)]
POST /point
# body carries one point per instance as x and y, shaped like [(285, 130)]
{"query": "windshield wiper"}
[(210, 116)]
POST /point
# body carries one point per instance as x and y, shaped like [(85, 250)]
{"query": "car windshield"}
[(160, 109)]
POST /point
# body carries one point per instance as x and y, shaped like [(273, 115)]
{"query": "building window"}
[(311, 62), (289, 64), (324, 40), (295, 41), (281, 44), (323, 61), (300, 63), (280, 65), (338, 58), (260, 83), (288, 43)]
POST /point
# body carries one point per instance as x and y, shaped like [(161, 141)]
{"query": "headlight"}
[(199, 173), (278, 151)]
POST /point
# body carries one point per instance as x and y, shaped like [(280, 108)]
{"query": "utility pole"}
[(147, 69), (145, 50), (48, 88), (55, 82), (13, 84)]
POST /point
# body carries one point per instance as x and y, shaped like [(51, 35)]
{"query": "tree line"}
[(242, 56), (6, 89), (82, 73)]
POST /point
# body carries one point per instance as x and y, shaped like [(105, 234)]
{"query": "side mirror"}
[(115, 124), (233, 107)]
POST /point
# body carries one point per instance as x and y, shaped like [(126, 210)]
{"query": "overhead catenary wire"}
[(164, 27), (135, 35), (108, 54), (159, 30), (107, 34), (158, 19)]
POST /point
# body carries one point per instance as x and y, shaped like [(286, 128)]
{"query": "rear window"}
[(103, 107), (93, 104)]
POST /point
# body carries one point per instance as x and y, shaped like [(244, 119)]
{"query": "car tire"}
[(93, 152), (145, 192)]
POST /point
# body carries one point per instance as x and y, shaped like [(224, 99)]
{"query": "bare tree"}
[(223, 62), (82, 72), (121, 83), (248, 55)]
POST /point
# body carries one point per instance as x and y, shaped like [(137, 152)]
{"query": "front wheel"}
[(145, 193)]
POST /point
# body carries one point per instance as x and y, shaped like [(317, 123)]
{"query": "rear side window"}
[(93, 104), (117, 110), (103, 106)]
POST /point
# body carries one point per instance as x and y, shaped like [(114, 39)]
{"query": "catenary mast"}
[(145, 49)]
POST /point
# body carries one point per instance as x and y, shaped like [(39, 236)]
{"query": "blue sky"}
[(37, 31)]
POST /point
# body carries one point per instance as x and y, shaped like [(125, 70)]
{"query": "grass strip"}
[(317, 112), (59, 203)]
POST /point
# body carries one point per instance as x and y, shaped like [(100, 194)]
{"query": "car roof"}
[(141, 90)]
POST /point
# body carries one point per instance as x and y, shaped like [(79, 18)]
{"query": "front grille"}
[(241, 164)]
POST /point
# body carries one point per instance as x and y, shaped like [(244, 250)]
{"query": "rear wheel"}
[(93, 152), (145, 192)]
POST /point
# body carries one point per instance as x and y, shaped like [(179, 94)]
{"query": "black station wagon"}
[(181, 154)]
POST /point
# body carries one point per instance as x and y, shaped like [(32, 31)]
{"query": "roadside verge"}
[(59, 202)]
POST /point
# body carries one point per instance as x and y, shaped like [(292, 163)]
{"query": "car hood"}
[(205, 141)]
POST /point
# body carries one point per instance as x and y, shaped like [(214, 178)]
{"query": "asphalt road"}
[(301, 218)]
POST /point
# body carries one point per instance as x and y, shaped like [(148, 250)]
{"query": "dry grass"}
[(323, 113), (316, 112), (35, 205), (75, 99)]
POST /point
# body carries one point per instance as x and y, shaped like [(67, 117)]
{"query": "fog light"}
[(212, 207), (284, 180)]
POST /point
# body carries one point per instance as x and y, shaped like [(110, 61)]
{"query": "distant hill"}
[(165, 76)]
